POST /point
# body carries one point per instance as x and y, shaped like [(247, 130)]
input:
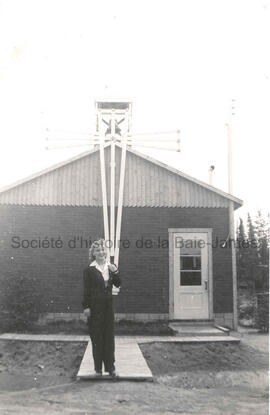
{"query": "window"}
[(190, 264)]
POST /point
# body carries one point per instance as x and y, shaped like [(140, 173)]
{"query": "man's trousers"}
[(101, 331)]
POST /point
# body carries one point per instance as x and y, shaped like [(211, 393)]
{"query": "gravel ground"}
[(39, 378)]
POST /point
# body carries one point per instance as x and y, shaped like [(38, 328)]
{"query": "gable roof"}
[(148, 182), (188, 177)]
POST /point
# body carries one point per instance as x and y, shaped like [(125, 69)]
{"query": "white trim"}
[(210, 273), (207, 231), (171, 276)]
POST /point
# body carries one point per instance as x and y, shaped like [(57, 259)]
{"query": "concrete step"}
[(189, 339), (195, 322), (198, 330)]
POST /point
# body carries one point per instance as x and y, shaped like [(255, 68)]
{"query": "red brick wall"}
[(55, 274)]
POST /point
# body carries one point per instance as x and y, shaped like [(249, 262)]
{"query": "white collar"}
[(95, 264)]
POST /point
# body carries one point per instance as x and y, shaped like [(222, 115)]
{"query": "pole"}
[(231, 218), (120, 198), (112, 209), (103, 186), (229, 131), (234, 271), (210, 177), (210, 171), (229, 145)]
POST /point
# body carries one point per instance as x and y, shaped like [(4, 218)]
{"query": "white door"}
[(191, 299)]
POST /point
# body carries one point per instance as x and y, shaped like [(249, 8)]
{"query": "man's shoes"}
[(113, 374), (98, 374)]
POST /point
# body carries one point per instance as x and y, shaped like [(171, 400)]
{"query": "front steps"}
[(198, 328)]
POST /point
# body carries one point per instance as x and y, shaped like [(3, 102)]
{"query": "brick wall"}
[(149, 267), (55, 273)]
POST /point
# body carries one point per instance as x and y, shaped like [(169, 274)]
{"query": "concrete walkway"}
[(131, 364), (259, 341), (45, 337)]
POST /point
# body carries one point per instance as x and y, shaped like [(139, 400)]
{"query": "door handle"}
[(206, 284)]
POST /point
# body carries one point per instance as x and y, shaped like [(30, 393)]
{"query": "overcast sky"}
[(181, 63)]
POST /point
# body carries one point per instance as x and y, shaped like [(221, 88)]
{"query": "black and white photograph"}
[(134, 207)]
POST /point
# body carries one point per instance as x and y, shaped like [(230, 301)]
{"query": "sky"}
[(180, 62)]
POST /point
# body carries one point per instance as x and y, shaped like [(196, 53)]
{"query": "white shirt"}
[(103, 269)]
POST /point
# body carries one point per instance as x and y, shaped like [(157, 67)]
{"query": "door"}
[(191, 275)]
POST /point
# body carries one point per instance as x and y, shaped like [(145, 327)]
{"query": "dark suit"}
[(98, 298)]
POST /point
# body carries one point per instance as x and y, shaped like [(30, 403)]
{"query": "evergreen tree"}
[(262, 230), (252, 254), (251, 230), (241, 255)]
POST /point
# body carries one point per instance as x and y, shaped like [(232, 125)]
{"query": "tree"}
[(241, 255), (252, 269), (252, 257), (262, 232)]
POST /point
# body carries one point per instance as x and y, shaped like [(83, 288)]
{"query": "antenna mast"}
[(113, 126), (229, 135)]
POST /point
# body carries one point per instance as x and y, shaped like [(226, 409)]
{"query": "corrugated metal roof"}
[(148, 182)]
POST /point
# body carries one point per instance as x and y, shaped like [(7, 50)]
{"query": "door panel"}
[(191, 300)]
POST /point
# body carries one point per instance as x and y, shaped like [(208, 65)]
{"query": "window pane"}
[(190, 262), (190, 278), (190, 247)]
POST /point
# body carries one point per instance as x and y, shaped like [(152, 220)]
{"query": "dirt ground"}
[(39, 378)]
